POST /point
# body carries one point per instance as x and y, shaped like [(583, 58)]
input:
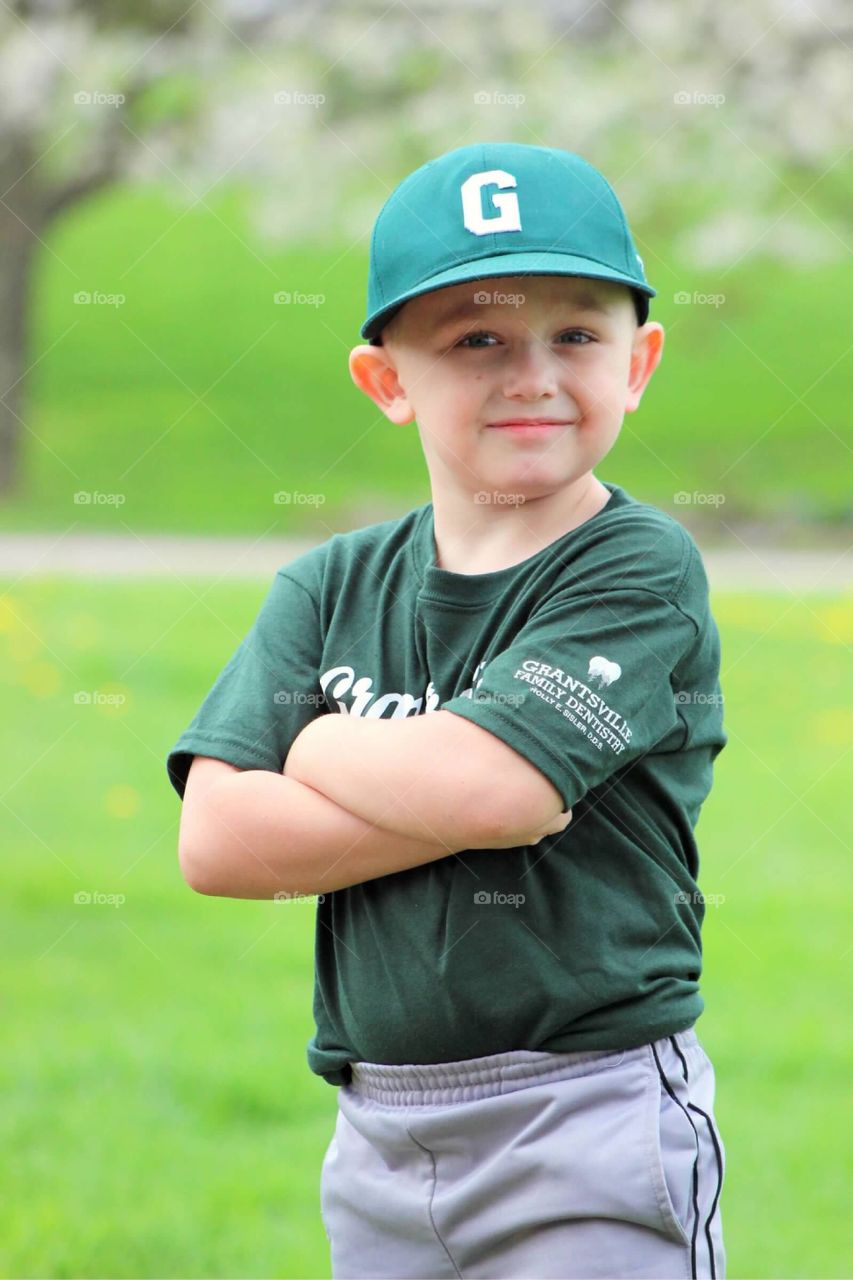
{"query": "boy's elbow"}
[(201, 844), (521, 808), (493, 827), (497, 791), (196, 870), (477, 822)]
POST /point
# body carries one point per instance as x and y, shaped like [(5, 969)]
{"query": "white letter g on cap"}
[(509, 219)]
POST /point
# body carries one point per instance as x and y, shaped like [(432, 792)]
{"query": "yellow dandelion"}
[(42, 679), (832, 727), (834, 621), (122, 801)]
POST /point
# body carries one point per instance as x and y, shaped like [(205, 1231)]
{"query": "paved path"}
[(753, 568)]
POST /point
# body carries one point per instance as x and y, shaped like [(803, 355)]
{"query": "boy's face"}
[(463, 358)]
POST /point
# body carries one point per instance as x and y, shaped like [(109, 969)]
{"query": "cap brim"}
[(507, 264)]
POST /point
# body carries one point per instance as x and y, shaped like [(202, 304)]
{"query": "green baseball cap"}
[(498, 209)]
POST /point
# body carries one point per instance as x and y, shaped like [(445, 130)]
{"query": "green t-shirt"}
[(597, 659)]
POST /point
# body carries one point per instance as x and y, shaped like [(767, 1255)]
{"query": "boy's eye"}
[(569, 333), (578, 333)]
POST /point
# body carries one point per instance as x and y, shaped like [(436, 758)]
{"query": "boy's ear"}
[(645, 358), (373, 372)]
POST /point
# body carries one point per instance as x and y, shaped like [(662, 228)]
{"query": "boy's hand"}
[(517, 839)]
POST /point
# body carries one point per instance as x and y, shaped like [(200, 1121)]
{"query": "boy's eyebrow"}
[(585, 301)]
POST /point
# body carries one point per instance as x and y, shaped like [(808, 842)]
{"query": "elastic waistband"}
[(436, 1083)]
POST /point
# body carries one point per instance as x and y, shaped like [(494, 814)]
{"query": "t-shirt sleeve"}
[(265, 694), (586, 686)]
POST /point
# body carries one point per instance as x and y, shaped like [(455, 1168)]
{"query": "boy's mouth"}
[(529, 424)]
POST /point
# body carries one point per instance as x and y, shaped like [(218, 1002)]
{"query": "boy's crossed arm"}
[(432, 777), (401, 799)]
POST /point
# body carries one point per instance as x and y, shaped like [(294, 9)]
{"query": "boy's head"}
[(504, 284)]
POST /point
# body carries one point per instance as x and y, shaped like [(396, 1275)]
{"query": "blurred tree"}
[(72, 79), (714, 122), (85, 85)]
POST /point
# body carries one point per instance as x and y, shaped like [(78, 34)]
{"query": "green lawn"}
[(751, 400), (158, 1116)]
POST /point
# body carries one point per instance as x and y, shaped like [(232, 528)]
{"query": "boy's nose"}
[(531, 373)]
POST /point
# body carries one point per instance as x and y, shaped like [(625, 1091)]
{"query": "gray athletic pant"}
[(529, 1166)]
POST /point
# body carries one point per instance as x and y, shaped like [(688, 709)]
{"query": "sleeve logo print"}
[(570, 697), (604, 671)]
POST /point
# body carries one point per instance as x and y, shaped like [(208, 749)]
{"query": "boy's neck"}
[(501, 536)]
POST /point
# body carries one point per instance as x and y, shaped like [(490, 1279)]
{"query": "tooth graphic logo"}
[(603, 671)]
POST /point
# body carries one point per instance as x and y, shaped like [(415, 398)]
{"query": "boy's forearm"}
[(263, 834), (382, 771)]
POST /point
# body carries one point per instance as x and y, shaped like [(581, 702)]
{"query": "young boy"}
[(483, 733)]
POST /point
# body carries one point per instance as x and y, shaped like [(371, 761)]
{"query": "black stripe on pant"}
[(717, 1154)]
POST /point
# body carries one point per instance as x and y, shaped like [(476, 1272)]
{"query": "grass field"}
[(158, 1116), (751, 400)]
